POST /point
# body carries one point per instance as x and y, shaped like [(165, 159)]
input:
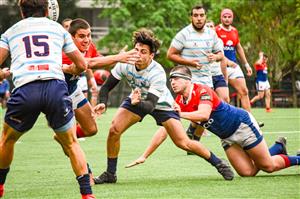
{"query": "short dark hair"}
[(33, 8), (146, 37), (77, 24), (197, 7), (65, 20), (183, 70)]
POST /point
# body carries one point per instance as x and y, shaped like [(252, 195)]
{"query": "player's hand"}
[(211, 57), (4, 73), (124, 49), (176, 107), (99, 109), (138, 161), (249, 71), (196, 64), (129, 57), (136, 96)]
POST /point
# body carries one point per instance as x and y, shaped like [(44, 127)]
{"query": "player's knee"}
[(243, 91), (182, 143), (269, 168), (92, 130), (114, 131), (247, 173)]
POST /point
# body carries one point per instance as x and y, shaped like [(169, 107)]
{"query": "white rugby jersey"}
[(195, 45), (150, 80), (36, 45)]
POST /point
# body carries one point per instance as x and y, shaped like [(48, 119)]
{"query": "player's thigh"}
[(122, 120), (85, 117), (239, 84), (260, 155), (240, 160), (223, 93), (261, 94), (175, 129)]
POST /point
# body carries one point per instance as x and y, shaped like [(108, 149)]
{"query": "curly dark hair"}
[(147, 37)]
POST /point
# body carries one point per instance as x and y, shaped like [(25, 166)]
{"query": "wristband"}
[(247, 65)]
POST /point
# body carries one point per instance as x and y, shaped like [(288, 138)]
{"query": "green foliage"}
[(265, 25), (164, 17)]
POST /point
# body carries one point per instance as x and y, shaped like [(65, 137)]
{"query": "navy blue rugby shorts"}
[(28, 101)]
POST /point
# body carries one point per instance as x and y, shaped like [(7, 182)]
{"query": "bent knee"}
[(268, 168), (247, 173), (243, 91), (183, 144)]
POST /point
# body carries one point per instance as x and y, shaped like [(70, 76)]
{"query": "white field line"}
[(281, 132)]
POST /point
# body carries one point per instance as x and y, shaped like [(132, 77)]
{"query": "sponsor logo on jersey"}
[(229, 48), (229, 43), (205, 97)]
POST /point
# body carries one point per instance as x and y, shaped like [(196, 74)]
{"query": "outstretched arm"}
[(129, 57), (158, 138)]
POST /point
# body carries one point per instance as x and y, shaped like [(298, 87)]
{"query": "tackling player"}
[(240, 135)]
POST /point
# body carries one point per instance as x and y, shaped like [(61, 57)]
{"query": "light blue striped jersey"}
[(150, 80), (195, 45), (36, 45)]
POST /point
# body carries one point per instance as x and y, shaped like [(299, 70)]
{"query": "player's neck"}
[(227, 27), (187, 94)]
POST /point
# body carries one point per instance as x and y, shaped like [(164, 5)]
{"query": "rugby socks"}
[(213, 160), (79, 132), (190, 131), (276, 149), (196, 138), (84, 184), (3, 174), (291, 160), (112, 165)]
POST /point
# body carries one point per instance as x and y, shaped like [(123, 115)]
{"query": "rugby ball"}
[(100, 76), (53, 10)]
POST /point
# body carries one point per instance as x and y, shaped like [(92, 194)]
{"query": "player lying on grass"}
[(241, 137), (147, 79)]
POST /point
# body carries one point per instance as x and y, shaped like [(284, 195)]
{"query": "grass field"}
[(41, 171)]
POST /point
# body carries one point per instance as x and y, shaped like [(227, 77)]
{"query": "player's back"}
[(35, 45)]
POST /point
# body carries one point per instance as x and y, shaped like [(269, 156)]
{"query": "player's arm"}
[(79, 64), (158, 138), (4, 73), (174, 55), (242, 56), (147, 105), (202, 114), (108, 85), (223, 65), (260, 58), (129, 57)]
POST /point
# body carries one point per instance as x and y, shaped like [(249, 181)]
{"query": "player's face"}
[(210, 25), (145, 56), (66, 24), (178, 85), (227, 19), (198, 18), (82, 39)]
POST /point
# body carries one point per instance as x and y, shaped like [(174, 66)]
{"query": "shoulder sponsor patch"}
[(205, 97)]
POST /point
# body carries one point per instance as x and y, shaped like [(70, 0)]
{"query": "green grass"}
[(40, 170)]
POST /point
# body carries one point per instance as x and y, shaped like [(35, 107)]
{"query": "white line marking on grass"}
[(280, 132)]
